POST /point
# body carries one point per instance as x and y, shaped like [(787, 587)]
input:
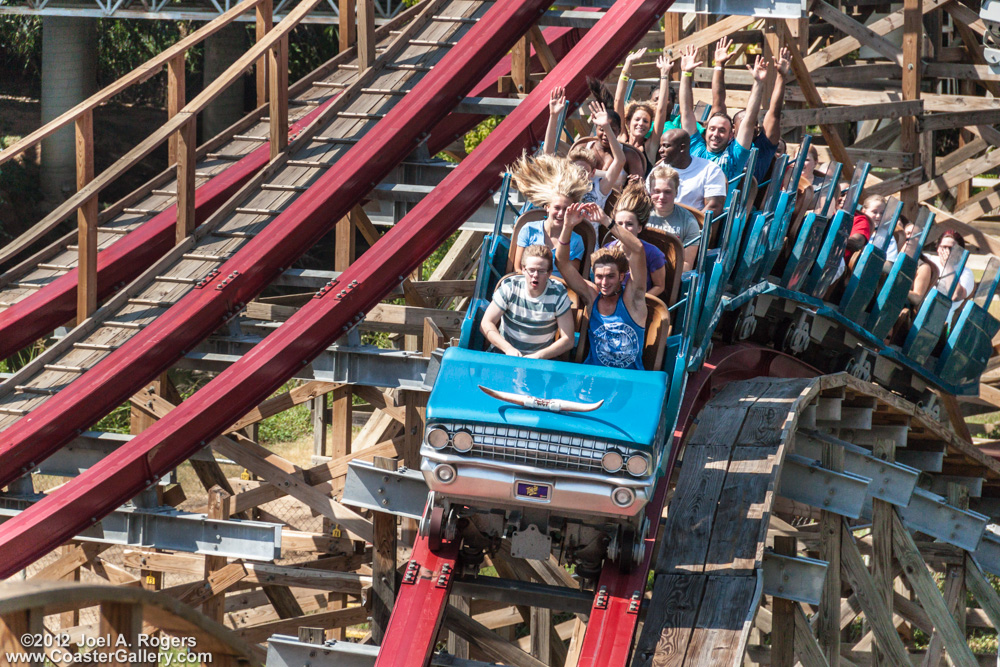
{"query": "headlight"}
[(612, 461), (445, 473), (437, 438), (638, 465), (462, 441), (622, 497)]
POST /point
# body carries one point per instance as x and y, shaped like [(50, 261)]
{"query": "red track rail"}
[(120, 263), (245, 384), (420, 606), (261, 260), (55, 304), (615, 613)]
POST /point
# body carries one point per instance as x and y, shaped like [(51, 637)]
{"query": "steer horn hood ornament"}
[(550, 404)]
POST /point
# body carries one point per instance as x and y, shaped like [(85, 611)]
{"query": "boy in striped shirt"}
[(530, 308)]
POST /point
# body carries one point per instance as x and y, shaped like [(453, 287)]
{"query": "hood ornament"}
[(550, 404)]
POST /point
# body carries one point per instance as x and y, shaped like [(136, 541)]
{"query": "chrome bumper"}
[(486, 484)]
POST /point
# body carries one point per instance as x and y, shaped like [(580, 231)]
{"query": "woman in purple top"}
[(632, 212)]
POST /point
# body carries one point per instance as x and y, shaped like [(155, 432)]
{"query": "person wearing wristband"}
[(643, 123), (530, 309), (719, 144), (587, 159), (616, 331), (766, 142), (552, 183)]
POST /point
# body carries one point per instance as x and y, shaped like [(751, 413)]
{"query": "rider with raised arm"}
[(640, 117), (603, 181), (718, 144), (618, 311)]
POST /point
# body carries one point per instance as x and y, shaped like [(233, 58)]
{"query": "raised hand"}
[(574, 215), (689, 59), (759, 69), (557, 100), (664, 64), (632, 57), (592, 213), (599, 114), (722, 53), (783, 62)]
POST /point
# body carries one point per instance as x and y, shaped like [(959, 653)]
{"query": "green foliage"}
[(309, 46), (20, 43), (287, 426), (480, 132)]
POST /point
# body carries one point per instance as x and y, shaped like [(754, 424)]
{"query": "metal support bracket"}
[(287, 651), (168, 528), (794, 578), (930, 513), (402, 492), (891, 482), (804, 480)]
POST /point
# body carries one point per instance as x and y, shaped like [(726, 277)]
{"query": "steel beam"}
[(794, 578), (402, 492), (559, 598), (891, 482), (285, 651), (168, 528), (930, 513), (805, 481)]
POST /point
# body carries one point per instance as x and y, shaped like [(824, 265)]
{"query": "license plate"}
[(533, 491)]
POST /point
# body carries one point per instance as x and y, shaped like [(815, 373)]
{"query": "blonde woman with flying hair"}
[(554, 184)]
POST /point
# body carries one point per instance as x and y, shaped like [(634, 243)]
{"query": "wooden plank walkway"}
[(707, 586), (214, 157), (357, 111)]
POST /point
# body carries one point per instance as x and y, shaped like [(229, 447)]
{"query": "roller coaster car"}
[(552, 454), (546, 452)]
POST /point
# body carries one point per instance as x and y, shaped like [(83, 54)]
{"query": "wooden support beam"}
[(542, 49), (520, 65), (218, 508), (982, 590), (348, 35), (913, 30), (319, 424), (813, 98), (783, 614), (176, 96), (862, 33), (366, 34), (277, 71), (383, 563), (15, 625), (187, 143), (344, 244), (828, 625), (86, 217), (457, 646), (916, 573), (882, 571), (264, 21), (871, 599), (489, 642)]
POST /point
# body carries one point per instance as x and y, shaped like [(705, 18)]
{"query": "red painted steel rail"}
[(420, 605), (55, 304), (200, 312), (261, 371)]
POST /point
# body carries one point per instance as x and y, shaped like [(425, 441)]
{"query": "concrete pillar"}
[(69, 75), (221, 50)]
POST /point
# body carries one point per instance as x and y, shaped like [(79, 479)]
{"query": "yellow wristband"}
[(688, 73), (626, 77)]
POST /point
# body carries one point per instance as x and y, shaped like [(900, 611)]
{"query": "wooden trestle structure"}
[(736, 518)]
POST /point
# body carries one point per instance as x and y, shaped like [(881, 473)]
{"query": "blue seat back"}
[(831, 252), (864, 278), (892, 298), (810, 234), (932, 318), (970, 341)]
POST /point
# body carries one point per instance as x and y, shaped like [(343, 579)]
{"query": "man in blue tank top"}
[(618, 309)]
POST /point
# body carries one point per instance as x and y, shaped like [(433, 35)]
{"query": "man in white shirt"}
[(703, 184)]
